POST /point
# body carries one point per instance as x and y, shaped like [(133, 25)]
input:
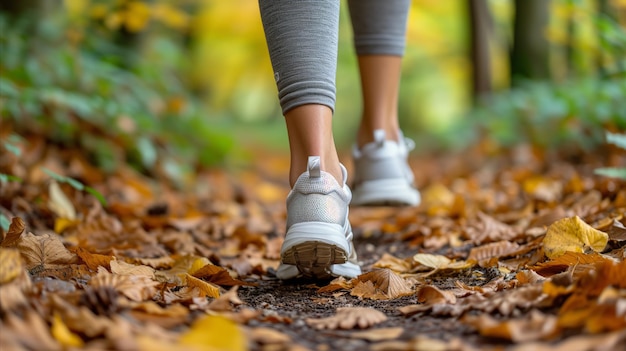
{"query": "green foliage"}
[(4, 222), (76, 185), (551, 115), (618, 140), (100, 97)]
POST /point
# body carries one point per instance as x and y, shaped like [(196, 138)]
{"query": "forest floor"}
[(521, 249)]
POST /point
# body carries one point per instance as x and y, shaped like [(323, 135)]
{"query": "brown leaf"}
[(544, 189), (380, 334), (490, 229), (16, 228), (617, 231), (218, 275), (563, 262), (484, 253), (336, 284), (29, 333), (387, 282), (123, 268), (207, 289), (349, 318), (44, 250), (135, 287), (535, 326), (429, 294), (267, 336), (92, 260), (367, 290), (226, 301)]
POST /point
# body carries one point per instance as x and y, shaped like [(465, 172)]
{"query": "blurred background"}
[(180, 85)]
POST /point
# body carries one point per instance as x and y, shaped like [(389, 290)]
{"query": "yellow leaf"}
[(432, 261), (60, 224), (207, 289), (212, 333), (63, 334), (60, 204), (572, 234), (197, 264), (11, 265), (440, 262)]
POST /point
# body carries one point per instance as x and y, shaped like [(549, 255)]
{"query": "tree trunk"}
[(480, 27), (529, 56)]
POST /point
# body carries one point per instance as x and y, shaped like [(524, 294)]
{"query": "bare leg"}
[(310, 134), (380, 83)]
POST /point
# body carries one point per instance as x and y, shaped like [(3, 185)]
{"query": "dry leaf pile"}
[(523, 251)]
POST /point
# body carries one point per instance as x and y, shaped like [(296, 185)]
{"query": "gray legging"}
[(302, 38)]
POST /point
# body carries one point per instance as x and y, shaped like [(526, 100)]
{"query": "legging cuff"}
[(309, 92)]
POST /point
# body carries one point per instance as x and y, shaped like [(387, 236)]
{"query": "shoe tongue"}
[(314, 167)]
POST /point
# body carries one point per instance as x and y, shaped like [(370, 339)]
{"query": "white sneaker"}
[(382, 173), (318, 243)]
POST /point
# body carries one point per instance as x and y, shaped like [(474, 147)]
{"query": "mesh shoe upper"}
[(318, 243), (382, 173)]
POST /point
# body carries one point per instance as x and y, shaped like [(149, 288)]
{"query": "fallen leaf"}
[(336, 284), (572, 234), (440, 262), (59, 203), (386, 282), (429, 294), (563, 262), (28, 332), (267, 336), (44, 250), (11, 265), (63, 334), (617, 231), (123, 268), (92, 260), (135, 287), (535, 326), (378, 334), (218, 275), (490, 229), (16, 228), (604, 342), (224, 335), (349, 318), (542, 188), (394, 263), (498, 249), (207, 289), (226, 301)]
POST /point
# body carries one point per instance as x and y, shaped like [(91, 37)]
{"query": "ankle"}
[(365, 134)]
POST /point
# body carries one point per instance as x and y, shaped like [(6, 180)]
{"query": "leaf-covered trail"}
[(521, 250)]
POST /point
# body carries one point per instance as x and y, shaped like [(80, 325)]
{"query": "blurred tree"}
[(529, 55), (480, 29)]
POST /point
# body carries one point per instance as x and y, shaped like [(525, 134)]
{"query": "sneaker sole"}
[(318, 250), (315, 259), (384, 192)]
